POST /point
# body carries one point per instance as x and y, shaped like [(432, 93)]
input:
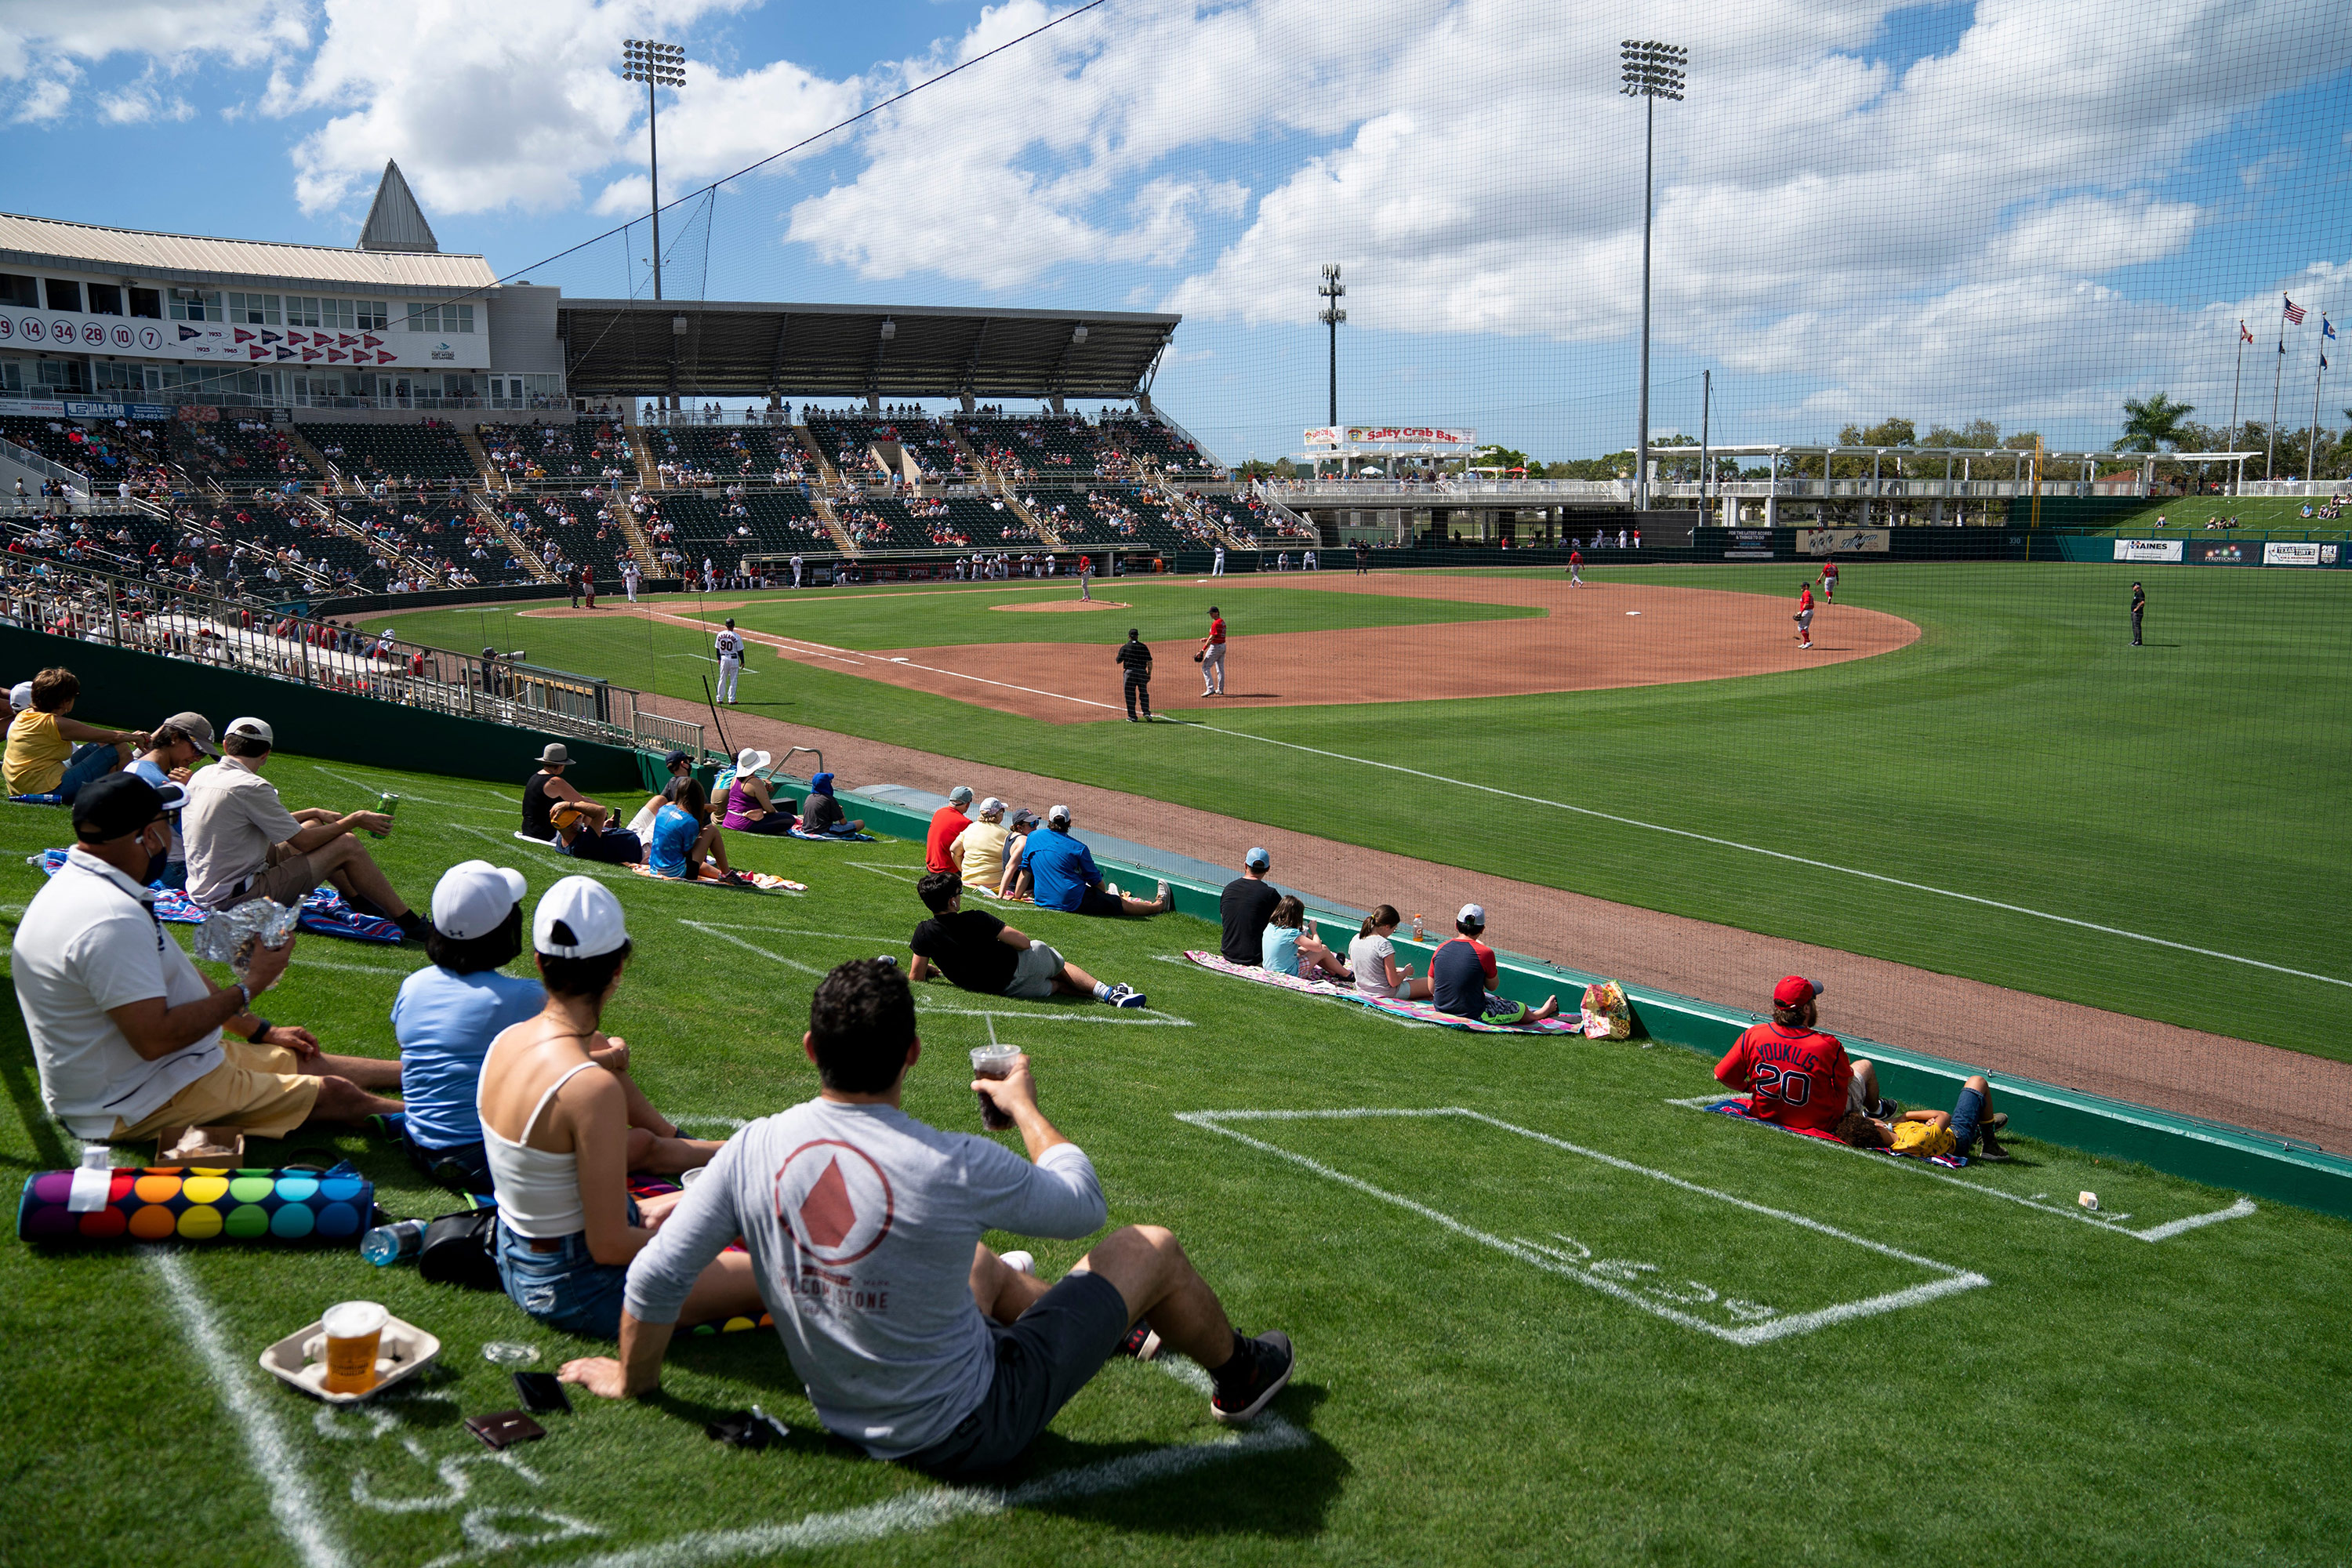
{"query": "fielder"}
[(1829, 582), (1576, 568), (1804, 616), (1086, 579), (1217, 568), (1212, 656), (709, 576), (629, 575), (728, 646), (797, 568)]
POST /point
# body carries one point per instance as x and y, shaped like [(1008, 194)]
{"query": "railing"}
[(286, 643), (1447, 489)]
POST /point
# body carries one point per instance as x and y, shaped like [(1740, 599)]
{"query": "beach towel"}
[(832, 837), (324, 910), (1737, 1111), (762, 881), (1427, 1013), (1263, 976)]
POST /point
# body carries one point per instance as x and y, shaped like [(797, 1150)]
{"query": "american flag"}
[(2294, 311)]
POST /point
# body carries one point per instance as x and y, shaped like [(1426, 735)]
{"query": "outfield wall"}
[(126, 688), (2212, 1152)]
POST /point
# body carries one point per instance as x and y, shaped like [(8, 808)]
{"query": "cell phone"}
[(542, 1391), (505, 1428)]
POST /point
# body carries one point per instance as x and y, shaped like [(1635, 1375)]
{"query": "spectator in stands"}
[(1972, 1126), (751, 805), (177, 745), (1245, 908), (126, 1033), (243, 844), (1291, 946), (686, 843), (1463, 975), (821, 810), (948, 823), (1372, 956), (977, 852), (548, 787), (979, 953), (974, 1357), (1063, 875), (51, 752), (555, 1118)]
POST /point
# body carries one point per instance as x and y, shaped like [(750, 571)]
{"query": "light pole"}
[(1652, 70), (656, 65), (1333, 291)]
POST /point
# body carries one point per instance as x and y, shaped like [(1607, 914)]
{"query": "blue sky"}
[(2022, 211)]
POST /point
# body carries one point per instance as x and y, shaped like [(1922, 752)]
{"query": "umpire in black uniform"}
[(1134, 655), (2139, 605)]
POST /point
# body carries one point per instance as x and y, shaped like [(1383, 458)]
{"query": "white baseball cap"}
[(1058, 813), (1471, 915), (253, 729), (473, 896), (20, 696), (578, 918)]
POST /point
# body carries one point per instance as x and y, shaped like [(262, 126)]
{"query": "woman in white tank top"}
[(556, 1130)]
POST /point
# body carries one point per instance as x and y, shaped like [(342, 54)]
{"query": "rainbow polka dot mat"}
[(197, 1204)]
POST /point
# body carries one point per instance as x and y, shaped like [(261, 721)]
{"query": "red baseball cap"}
[(1795, 991)]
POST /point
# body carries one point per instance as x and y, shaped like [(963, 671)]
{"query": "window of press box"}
[(147, 302), (373, 314), (196, 305), (440, 318), (15, 288), (65, 293), (105, 299), (253, 310)]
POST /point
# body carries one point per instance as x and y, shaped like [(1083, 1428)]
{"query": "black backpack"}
[(462, 1249)]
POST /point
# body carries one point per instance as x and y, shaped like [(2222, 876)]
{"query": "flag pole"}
[(2244, 336), (2311, 437), (2270, 454)]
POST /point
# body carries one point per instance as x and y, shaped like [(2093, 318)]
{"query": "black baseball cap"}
[(119, 804), (675, 758)]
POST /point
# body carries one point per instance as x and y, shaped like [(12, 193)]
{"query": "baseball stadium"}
[(1573, 1008)]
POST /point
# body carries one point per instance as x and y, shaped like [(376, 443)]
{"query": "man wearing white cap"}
[(948, 823), (1462, 976), (979, 850), (243, 844), (1063, 875)]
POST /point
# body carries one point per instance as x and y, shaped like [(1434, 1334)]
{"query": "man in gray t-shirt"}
[(913, 1340)]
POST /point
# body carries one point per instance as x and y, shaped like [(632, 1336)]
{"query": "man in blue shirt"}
[(1063, 875), (1462, 976)]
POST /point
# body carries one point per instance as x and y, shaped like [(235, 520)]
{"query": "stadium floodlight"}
[(656, 65), (1333, 291), (1652, 70)]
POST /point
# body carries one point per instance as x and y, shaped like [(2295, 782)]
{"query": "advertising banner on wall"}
[(1392, 436), (2205, 553), (60, 332), (2147, 550), (1844, 540), (2286, 552)]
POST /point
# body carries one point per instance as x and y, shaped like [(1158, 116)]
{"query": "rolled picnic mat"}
[(129, 1203)]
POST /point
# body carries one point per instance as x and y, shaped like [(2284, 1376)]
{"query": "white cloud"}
[(45, 49)]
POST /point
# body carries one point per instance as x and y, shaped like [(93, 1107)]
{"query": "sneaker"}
[(1142, 1342), (1163, 898), (1125, 995), (1271, 1365), (1019, 1262), (1885, 1110), (1988, 1148), (1132, 719)]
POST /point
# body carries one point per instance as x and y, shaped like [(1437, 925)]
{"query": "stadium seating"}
[(396, 454), (585, 450), (1124, 515), (700, 456), (239, 454), (1041, 447), (106, 450), (441, 532), (1151, 440), (758, 523), (271, 530), (581, 531), (848, 439)]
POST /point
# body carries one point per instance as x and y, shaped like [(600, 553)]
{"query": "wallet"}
[(508, 1426)]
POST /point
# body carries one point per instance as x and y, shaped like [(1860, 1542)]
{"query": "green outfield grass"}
[(2277, 514), (2020, 753), (2076, 1394)]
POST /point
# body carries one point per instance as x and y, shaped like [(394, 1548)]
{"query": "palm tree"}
[(2153, 424)]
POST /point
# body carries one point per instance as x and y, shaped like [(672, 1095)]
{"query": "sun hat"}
[(578, 918), (751, 759), (473, 896), (555, 756)]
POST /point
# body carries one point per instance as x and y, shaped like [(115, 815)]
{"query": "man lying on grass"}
[(979, 952), (1971, 1127), (913, 1340)]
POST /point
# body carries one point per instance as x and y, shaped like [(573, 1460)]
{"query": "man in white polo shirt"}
[(127, 1032), (242, 843)]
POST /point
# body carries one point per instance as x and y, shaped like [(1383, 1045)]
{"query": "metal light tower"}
[(656, 65), (1333, 291), (1653, 70)]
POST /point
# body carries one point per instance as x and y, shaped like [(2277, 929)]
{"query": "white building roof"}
[(37, 242)]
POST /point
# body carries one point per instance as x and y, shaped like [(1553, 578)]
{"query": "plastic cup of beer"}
[(354, 1330), (992, 1061)]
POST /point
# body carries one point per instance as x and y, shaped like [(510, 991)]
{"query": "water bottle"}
[(1416, 928), (399, 1242)]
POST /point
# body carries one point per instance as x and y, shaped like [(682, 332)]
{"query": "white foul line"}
[(1955, 1280), (1758, 849), (290, 1502), (2238, 1210)]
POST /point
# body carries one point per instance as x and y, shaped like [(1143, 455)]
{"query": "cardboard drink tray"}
[(402, 1351)]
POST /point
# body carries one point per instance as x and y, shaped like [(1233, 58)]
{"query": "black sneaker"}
[(1886, 1111), (1142, 1342), (1271, 1363)]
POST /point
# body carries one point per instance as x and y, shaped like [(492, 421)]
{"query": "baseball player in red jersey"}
[(1211, 656), (1576, 568), (1829, 582), (1804, 616), (1793, 1074)]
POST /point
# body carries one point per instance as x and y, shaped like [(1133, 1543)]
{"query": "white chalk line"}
[(1954, 1278), (2238, 1210), (290, 1500), (381, 790), (1774, 854)]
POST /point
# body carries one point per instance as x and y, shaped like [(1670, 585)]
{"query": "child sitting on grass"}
[(1971, 1127)]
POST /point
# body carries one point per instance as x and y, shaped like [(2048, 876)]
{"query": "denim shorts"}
[(1041, 1360), (1966, 1111), (565, 1288)]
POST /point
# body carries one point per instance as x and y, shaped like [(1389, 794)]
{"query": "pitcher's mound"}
[(1064, 605)]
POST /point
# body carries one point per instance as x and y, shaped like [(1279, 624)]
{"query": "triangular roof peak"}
[(395, 221)]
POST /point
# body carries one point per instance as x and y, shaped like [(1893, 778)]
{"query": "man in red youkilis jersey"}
[(1793, 1074)]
